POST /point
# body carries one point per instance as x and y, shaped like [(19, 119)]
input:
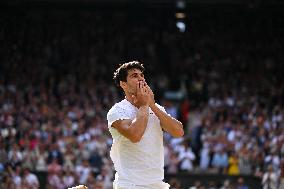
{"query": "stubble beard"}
[(132, 92)]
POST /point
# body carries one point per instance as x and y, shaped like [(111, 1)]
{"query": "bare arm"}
[(133, 130), (168, 123)]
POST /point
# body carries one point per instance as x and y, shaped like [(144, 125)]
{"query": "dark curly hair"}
[(121, 72)]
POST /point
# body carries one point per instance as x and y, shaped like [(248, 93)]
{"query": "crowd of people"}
[(222, 80)]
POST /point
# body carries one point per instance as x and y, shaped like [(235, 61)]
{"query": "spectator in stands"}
[(197, 185), (269, 179), (41, 158), (16, 176), (8, 182), (281, 179), (186, 157), (91, 181), (83, 171), (54, 153), (233, 167), (3, 157), (15, 156), (174, 162), (205, 156), (227, 185), (29, 158), (31, 181), (106, 178), (96, 161), (69, 159), (212, 185), (68, 178), (245, 162), (241, 184), (220, 161), (175, 184), (55, 180)]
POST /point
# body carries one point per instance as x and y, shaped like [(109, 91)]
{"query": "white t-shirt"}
[(140, 163), (32, 179)]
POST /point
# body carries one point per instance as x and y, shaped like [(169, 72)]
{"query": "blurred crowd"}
[(222, 80)]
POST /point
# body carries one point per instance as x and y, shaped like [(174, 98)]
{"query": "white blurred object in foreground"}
[(79, 187)]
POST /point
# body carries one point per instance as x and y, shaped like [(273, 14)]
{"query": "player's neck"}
[(129, 99)]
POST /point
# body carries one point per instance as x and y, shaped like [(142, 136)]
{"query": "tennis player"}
[(136, 124)]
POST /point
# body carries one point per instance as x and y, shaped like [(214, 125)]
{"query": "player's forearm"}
[(139, 125), (168, 123)]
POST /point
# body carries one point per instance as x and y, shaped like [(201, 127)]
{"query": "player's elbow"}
[(135, 138), (179, 132)]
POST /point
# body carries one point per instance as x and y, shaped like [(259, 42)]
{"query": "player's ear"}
[(122, 84)]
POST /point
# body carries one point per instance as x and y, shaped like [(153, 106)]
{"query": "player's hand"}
[(142, 97), (151, 95)]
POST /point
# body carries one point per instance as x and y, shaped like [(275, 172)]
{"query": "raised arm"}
[(168, 123), (134, 129)]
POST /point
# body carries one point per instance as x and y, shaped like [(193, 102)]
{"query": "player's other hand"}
[(151, 95), (142, 97)]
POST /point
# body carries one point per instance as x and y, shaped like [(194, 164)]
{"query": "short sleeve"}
[(116, 113)]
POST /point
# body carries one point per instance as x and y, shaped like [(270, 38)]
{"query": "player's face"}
[(133, 77)]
